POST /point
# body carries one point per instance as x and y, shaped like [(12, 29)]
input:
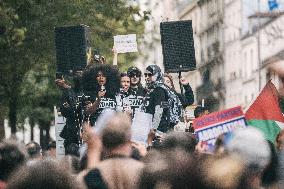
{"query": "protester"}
[(34, 150), (280, 140), (70, 110), (124, 93), (173, 169), (223, 172), (200, 111), (102, 83), (43, 174), (124, 82), (117, 170), (181, 140), (135, 82), (250, 146), (270, 174), (187, 98), (51, 149), (12, 156), (136, 91), (163, 104)]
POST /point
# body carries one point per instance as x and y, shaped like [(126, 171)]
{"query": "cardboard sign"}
[(125, 43), (141, 125), (209, 127)]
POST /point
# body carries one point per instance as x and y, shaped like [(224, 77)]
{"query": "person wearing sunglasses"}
[(159, 100), (136, 87), (136, 90)]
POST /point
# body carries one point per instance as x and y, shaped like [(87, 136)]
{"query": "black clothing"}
[(70, 132), (187, 98), (158, 96), (135, 97), (94, 180), (139, 91), (105, 103)]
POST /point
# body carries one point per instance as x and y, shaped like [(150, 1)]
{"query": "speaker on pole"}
[(178, 46), (72, 48)]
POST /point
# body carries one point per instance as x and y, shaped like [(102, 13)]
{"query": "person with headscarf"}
[(160, 101)]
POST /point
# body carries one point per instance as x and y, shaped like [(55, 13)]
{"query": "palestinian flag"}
[(265, 113)]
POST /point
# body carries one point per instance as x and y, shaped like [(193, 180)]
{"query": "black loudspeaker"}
[(73, 49), (178, 46)]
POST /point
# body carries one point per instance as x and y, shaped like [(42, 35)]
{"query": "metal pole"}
[(258, 46)]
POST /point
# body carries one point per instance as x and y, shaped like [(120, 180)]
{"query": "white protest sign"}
[(125, 43), (141, 125)]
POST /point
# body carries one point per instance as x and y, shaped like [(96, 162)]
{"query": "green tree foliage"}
[(27, 49)]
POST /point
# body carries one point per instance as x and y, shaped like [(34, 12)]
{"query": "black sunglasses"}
[(134, 74), (148, 74)]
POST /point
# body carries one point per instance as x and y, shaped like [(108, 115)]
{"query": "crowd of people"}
[(111, 160)]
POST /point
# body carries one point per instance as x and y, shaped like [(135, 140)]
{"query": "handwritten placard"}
[(125, 43)]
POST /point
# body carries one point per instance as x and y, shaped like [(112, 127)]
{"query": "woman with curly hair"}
[(102, 83)]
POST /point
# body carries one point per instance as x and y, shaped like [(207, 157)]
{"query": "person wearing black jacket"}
[(159, 97), (187, 98), (68, 109)]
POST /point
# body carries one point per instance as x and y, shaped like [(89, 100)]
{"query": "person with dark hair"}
[(136, 87), (34, 150), (51, 149), (164, 104), (173, 169), (182, 140), (187, 98), (69, 109), (124, 82), (124, 93), (12, 155), (200, 111), (43, 174), (136, 90), (102, 83)]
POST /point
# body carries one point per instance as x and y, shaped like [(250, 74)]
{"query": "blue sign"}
[(272, 4)]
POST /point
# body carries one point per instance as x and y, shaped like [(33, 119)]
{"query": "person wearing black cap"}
[(135, 81), (165, 115), (136, 90)]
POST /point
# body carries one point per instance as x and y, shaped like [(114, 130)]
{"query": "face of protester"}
[(52, 152), (101, 79), (167, 82), (134, 78), (125, 83), (148, 77)]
